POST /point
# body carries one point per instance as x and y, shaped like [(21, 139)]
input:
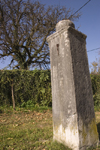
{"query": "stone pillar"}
[(72, 99)]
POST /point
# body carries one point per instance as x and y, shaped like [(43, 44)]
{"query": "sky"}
[(88, 23)]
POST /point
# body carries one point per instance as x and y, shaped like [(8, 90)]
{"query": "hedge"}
[(28, 86), (95, 79), (33, 87)]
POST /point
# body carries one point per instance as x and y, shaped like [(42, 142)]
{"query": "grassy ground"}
[(29, 130)]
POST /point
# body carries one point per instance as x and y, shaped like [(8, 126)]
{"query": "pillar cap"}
[(63, 23)]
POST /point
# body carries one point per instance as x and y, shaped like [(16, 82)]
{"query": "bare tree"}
[(24, 27), (95, 67)]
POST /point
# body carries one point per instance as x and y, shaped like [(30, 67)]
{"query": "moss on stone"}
[(93, 128), (84, 134)]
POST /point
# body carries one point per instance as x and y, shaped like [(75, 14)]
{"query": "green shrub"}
[(95, 79), (32, 88), (29, 87)]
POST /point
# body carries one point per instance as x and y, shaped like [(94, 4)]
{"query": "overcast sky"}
[(89, 24)]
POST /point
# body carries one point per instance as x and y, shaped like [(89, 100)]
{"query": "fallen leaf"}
[(9, 138), (15, 125)]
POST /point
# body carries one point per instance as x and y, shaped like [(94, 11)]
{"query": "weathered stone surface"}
[(63, 23), (72, 100)]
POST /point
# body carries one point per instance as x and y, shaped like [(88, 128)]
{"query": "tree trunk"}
[(13, 100)]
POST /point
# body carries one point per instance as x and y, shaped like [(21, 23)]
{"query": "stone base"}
[(74, 138)]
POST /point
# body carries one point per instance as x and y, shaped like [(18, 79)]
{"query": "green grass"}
[(26, 129)]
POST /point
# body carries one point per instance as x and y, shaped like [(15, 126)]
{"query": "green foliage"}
[(33, 88), (30, 87), (95, 79)]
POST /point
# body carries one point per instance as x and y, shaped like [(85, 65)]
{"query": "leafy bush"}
[(33, 88), (95, 79), (30, 87)]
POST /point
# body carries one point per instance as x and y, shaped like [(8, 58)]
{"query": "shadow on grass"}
[(98, 128)]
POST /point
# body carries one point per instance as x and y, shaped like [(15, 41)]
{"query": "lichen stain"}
[(88, 133), (67, 135), (84, 134), (74, 128), (91, 130), (62, 130), (56, 129)]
